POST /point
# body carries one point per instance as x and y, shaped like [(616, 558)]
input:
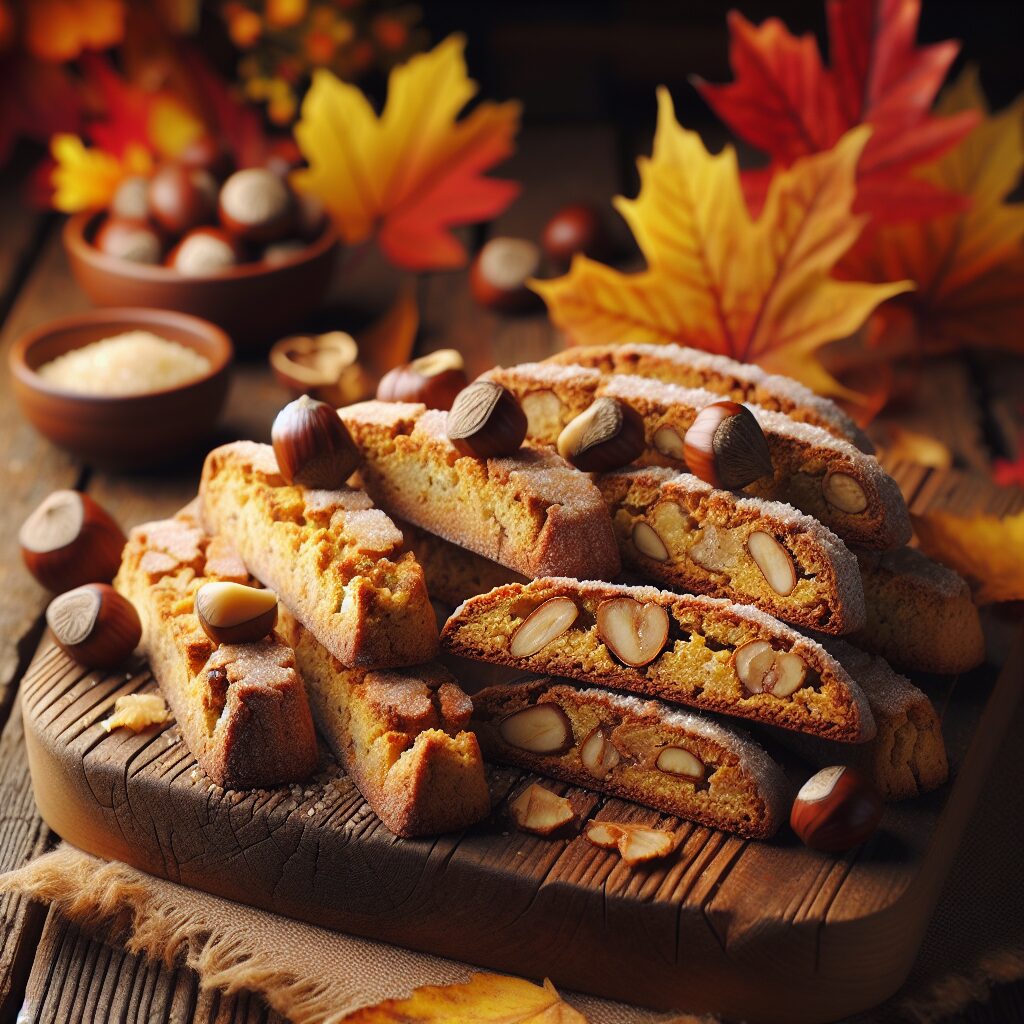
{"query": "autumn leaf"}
[(56, 30), (969, 266), (787, 103), (986, 550), (414, 172), (716, 279), (484, 999), (85, 178)]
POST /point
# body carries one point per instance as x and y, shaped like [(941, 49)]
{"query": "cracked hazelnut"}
[(679, 761), (598, 754), (545, 623), (486, 421), (835, 810), (94, 625), (232, 613), (70, 540), (774, 561), (256, 206), (607, 435), (538, 729), (726, 447), (667, 441), (647, 541), (762, 669), (543, 413), (635, 843), (635, 633), (844, 493), (312, 445), (540, 811), (435, 380), (500, 271)]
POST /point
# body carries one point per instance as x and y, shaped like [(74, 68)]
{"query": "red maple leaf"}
[(785, 101)]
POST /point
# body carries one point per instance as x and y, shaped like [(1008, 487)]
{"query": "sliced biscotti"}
[(920, 615), (821, 475), (335, 561), (532, 512), (677, 529), (241, 708), (907, 757), (644, 751), (401, 734), (701, 651), (742, 382)]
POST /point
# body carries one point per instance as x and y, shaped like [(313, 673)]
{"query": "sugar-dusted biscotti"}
[(335, 561), (241, 708), (702, 651), (679, 530), (532, 512), (401, 734), (742, 382), (920, 615), (907, 757), (644, 751), (820, 474)]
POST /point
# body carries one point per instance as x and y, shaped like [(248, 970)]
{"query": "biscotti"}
[(401, 734), (241, 708), (644, 751), (907, 757), (531, 512), (679, 530), (920, 615), (818, 473), (701, 651), (742, 382), (335, 561)]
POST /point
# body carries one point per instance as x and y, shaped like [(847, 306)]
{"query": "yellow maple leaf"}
[(484, 999), (986, 550), (415, 171), (86, 178), (969, 266), (716, 279)]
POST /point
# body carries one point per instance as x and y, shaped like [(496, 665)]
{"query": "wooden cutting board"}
[(759, 931)]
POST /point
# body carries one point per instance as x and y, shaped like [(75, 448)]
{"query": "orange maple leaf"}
[(59, 30), (716, 279), (969, 266), (415, 171)]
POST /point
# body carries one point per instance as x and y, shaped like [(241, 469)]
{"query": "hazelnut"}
[(635, 843), (132, 240), (538, 729), (131, 199), (324, 366), (312, 445), (485, 420), (540, 811), (435, 380), (726, 447), (577, 228), (207, 154), (70, 540), (648, 542), (182, 198), (607, 435), (543, 413), (774, 561), (835, 810), (545, 623), (94, 625), (762, 669), (256, 206), (679, 761), (232, 613), (500, 271), (635, 633), (667, 441), (598, 754), (204, 251)]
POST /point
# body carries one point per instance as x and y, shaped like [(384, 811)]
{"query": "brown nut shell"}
[(607, 435), (94, 625), (486, 421), (312, 445), (435, 380), (836, 809), (726, 446)]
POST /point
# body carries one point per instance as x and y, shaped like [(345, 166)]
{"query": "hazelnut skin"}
[(835, 810), (256, 206), (204, 251), (486, 421), (312, 445), (94, 625), (498, 274)]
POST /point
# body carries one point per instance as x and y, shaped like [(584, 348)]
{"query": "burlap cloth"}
[(975, 941)]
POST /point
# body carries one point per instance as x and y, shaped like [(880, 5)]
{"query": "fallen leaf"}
[(987, 551), (85, 178), (716, 279), (969, 266), (787, 103), (414, 172), (484, 999), (389, 340)]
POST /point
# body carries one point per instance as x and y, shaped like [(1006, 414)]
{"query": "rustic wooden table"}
[(63, 974)]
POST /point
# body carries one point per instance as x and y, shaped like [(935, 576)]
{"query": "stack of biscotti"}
[(355, 612)]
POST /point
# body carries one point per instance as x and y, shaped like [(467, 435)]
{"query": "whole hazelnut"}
[(131, 240), (204, 251), (94, 625), (500, 271), (486, 421), (435, 380), (605, 436), (577, 228), (835, 810), (131, 199), (232, 613), (256, 206), (182, 198), (726, 446), (312, 445), (207, 154)]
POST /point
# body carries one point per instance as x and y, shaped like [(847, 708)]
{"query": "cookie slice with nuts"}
[(679, 530), (742, 382), (807, 467), (645, 751), (701, 651)]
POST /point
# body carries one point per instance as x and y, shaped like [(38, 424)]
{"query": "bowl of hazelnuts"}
[(237, 247)]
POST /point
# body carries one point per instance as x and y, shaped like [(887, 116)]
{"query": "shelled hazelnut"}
[(500, 271), (835, 810), (540, 729), (485, 420), (133, 240), (94, 625), (232, 613), (256, 206), (312, 445), (204, 251), (181, 198), (726, 447), (434, 379), (634, 632), (545, 623)]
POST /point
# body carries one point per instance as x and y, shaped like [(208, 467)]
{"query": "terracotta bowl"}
[(256, 304), (124, 431)]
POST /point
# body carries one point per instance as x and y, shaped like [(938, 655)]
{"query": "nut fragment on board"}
[(137, 711), (540, 811), (635, 843)]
